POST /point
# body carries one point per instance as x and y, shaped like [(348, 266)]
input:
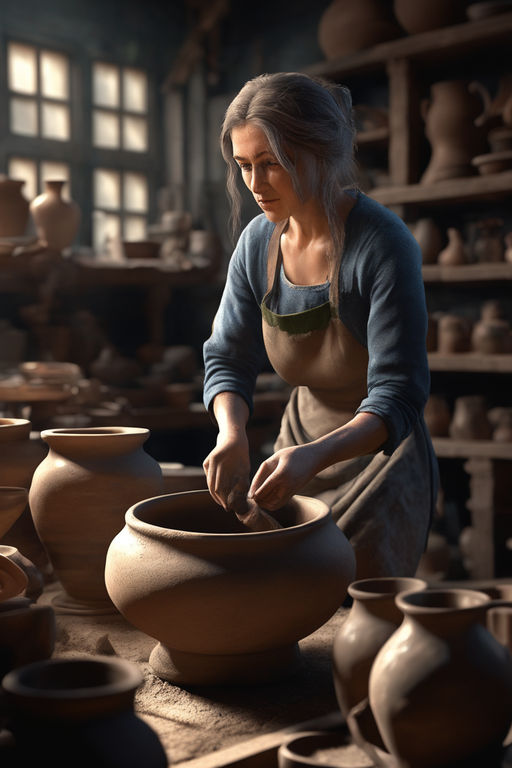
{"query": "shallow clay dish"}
[(322, 749), (494, 162)]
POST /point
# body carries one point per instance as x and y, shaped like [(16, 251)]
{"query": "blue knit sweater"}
[(381, 302)]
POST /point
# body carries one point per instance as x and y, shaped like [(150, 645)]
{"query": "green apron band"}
[(315, 319)]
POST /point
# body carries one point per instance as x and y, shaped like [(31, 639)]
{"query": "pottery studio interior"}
[(213, 553)]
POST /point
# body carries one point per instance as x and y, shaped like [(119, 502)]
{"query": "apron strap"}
[(274, 253)]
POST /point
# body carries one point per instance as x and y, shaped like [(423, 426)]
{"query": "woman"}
[(327, 283)]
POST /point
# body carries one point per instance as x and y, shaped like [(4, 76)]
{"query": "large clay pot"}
[(13, 501), (14, 208), (27, 632), (347, 26), (440, 688), (79, 712), (79, 496), (423, 15), (470, 419), (225, 604), (449, 116), (57, 220), (371, 621)]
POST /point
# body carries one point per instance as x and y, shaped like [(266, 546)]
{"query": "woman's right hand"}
[(228, 468)]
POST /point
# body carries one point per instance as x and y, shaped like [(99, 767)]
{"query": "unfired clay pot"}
[(449, 116), (470, 419), (79, 711), (79, 496), (225, 604), (430, 239), (371, 621), (347, 26), (14, 208), (57, 220), (440, 688), (454, 253)]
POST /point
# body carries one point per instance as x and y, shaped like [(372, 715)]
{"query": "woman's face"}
[(269, 182)]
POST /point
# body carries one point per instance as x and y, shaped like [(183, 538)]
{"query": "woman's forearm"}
[(363, 434), (231, 412)]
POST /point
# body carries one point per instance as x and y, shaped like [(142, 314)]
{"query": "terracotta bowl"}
[(225, 604)]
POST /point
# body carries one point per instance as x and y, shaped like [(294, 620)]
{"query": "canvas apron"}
[(383, 504)]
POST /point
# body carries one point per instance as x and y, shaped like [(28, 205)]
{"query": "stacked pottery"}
[(79, 712), (56, 219), (227, 604), (14, 208), (440, 688), (79, 496)]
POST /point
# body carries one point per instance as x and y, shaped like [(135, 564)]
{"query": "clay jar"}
[(57, 220), (454, 253), (80, 712), (371, 621), (423, 15), (14, 208), (491, 337), (449, 117), (470, 420), (453, 334), (347, 26), (28, 633), (440, 688), (79, 496), (430, 239), (226, 605)]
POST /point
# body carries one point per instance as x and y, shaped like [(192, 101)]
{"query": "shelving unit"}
[(408, 65)]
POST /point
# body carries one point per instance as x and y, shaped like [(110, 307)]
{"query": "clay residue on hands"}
[(250, 514)]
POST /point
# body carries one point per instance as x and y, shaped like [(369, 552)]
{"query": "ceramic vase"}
[(80, 712), (440, 688), (57, 220), (79, 496), (449, 116), (371, 620), (27, 632), (424, 15), (225, 604), (470, 419), (14, 208), (347, 26)]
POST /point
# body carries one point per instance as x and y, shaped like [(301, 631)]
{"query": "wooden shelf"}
[(470, 362), (467, 273), (450, 42), (448, 448), (451, 191)]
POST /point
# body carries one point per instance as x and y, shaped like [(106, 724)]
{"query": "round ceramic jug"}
[(440, 688), (347, 26), (454, 253), (57, 220), (79, 497), (225, 604), (449, 116), (14, 208), (372, 619), (79, 712)]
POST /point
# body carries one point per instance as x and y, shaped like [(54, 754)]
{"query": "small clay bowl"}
[(493, 162), (322, 749)]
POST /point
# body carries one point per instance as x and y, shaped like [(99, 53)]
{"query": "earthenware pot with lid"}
[(79, 496), (440, 688), (226, 605), (79, 711)]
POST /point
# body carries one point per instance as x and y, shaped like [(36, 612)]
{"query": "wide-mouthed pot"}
[(225, 604)]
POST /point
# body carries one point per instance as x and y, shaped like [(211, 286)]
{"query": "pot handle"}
[(481, 90)]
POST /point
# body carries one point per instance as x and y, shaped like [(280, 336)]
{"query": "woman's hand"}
[(228, 469), (283, 475)]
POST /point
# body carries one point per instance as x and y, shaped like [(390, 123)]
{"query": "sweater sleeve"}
[(234, 354), (398, 374)]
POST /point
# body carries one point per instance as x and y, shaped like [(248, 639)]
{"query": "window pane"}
[(105, 228), (135, 90), (105, 85), (22, 66), (21, 168), (135, 134), (24, 117), (56, 171), (134, 228), (135, 192), (55, 121), (107, 189), (54, 75), (105, 129)]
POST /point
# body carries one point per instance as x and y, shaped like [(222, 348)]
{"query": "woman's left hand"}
[(283, 475)]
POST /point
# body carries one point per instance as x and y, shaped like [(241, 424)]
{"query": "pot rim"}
[(159, 531), (362, 588), (408, 601), (112, 431)]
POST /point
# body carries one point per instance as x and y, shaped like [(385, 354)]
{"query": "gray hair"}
[(308, 123)]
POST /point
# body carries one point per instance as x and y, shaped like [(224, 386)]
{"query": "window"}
[(35, 173), (120, 206), (120, 102), (38, 82)]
